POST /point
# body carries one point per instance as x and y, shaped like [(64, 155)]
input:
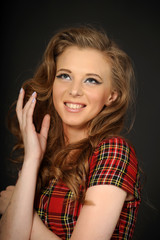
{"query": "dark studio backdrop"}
[(27, 26)]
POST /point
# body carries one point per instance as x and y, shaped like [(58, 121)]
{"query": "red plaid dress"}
[(113, 162)]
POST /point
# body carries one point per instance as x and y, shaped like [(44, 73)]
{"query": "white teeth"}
[(74, 106)]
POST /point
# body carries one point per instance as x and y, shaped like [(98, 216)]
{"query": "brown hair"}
[(70, 163)]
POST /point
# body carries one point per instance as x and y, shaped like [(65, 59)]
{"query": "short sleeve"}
[(114, 162)]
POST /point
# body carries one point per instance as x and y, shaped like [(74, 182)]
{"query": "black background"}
[(27, 26)]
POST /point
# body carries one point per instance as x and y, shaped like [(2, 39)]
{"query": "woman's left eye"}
[(92, 81)]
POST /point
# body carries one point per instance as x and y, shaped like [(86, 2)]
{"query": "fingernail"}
[(33, 93), (21, 90), (33, 100)]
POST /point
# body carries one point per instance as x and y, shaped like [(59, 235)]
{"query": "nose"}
[(75, 89)]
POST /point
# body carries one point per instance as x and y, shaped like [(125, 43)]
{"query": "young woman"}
[(79, 177)]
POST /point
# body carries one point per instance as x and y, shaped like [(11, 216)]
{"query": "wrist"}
[(31, 165)]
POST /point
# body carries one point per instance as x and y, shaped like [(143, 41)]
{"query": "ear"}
[(112, 97)]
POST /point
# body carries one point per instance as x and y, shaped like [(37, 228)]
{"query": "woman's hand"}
[(20, 207), (5, 197), (34, 143)]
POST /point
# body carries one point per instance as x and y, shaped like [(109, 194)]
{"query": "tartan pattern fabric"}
[(113, 162)]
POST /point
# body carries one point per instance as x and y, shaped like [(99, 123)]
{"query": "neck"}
[(74, 134)]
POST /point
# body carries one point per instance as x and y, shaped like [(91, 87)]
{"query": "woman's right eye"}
[(64, 76)]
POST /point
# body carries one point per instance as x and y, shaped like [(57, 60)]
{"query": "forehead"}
[(87, 59)]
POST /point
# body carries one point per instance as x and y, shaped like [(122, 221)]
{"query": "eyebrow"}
[(88, 74), (63, 69), (94, 74)]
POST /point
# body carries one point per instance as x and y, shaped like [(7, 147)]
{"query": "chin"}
[(75, 125)]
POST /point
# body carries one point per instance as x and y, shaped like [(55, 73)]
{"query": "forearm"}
[(16, 222), (40, 231)]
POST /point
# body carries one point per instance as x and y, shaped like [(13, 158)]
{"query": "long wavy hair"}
[(69, 163)]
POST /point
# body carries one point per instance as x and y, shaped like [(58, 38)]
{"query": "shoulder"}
[(114, 162), (116, 140), (115, 146)]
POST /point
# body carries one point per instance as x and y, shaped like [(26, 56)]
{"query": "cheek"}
[(98, 98), (59, 88), (56, 91), (55, 94)]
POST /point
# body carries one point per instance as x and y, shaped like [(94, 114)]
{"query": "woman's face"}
[(82, 86)]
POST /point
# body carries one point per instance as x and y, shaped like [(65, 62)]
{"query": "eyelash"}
[(89, 80), (93, 80), (63, 76)]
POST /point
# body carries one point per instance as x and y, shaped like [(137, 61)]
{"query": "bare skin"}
[(95, 221)]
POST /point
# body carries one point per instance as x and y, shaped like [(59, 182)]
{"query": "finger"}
[(28, 109), (27, 105), (21, 112), (19, 105), (29, 113), (45, 126), (10, 188), (19, 173), (3, 193)]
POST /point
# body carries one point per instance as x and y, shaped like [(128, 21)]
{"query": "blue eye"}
[(92, 81), (64, 76)]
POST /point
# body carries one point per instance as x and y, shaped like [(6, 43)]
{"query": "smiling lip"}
[(74, 107)]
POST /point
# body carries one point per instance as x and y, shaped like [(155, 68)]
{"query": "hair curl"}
[(70, 163)]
